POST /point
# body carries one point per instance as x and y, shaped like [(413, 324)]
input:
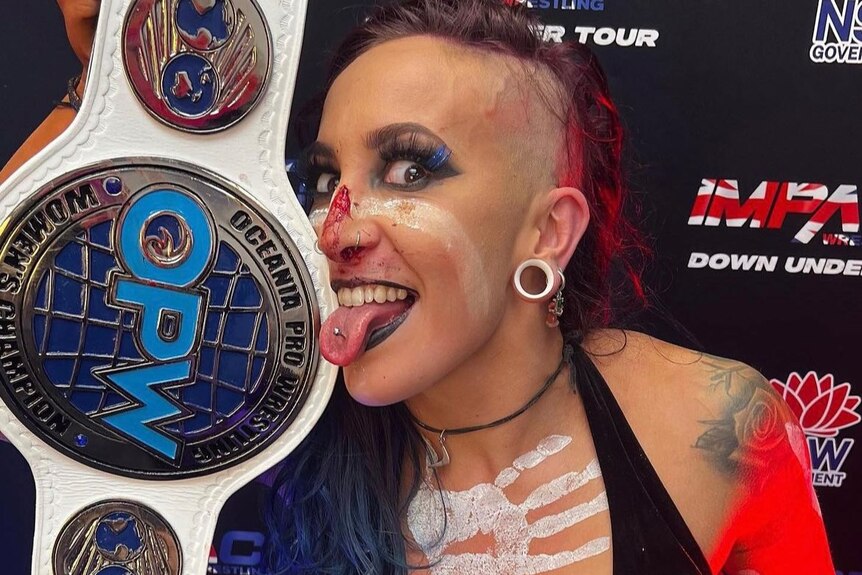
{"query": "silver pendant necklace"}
[(442, 459)]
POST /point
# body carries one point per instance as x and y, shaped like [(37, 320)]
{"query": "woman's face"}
[(428, 164)]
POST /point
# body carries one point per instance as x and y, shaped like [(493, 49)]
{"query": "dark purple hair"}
[(340, 498)]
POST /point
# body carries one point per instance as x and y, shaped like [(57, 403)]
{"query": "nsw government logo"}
[(824, 410), (153, 321), (837, 32)]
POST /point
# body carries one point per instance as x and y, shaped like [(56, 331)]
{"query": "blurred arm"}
[(54, 125)]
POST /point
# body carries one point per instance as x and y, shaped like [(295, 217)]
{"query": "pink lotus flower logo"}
[(823, 408)]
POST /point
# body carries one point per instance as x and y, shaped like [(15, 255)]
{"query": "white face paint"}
[(437, 222), (401, 211), (485, 509)]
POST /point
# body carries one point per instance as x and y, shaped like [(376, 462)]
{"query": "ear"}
[(562, 221)]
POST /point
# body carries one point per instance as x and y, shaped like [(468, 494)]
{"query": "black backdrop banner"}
[(741, 120)]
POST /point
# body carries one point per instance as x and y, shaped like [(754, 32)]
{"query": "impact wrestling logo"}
[(154, 322), (718, 202), (798, 212), (824, 410), (838, 32)]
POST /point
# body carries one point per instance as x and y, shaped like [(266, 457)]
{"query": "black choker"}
[(435, 460)]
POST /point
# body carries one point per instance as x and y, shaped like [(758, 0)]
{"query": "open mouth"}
[(366, 293), (368, 314), (380, 334), (392, 298)]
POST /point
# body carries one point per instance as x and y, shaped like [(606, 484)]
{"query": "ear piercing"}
[(546, 269), (557, 303)]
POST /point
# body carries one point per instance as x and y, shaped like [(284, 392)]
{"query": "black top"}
[(649, 535)]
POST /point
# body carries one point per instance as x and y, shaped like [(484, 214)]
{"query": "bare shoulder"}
[(752, 430), (645, 372), (720, 411), (719, 437)]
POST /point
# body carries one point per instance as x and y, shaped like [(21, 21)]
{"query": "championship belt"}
[(160, 294)]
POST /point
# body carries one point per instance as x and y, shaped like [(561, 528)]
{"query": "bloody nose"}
[(331, 238)]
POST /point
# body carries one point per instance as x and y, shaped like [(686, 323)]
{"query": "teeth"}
[(357, 297), (344, 297), (371, 293), (380, 294)]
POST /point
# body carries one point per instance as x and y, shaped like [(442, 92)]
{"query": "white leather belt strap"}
[(160, 297)]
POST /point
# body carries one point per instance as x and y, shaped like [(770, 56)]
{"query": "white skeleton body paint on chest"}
[(486, 510)]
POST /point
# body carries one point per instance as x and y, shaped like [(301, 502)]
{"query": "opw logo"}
[(154, 321), (164, 241)]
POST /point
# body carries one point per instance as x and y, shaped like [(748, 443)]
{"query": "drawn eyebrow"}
[(381, 136), (374, 140)]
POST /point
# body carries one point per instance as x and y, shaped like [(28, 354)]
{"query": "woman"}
[(467, 193)]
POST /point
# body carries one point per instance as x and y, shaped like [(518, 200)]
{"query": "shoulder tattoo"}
[(750, 430)]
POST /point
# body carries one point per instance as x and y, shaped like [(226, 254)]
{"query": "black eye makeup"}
[(413, 160), (411, 157)]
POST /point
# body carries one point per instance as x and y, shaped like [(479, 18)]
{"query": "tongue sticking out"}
[(354, 325)]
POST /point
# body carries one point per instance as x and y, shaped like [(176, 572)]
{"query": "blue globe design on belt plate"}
[(189, 84), (203, 24), (114, 570), (76, 332), (118, 537)]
